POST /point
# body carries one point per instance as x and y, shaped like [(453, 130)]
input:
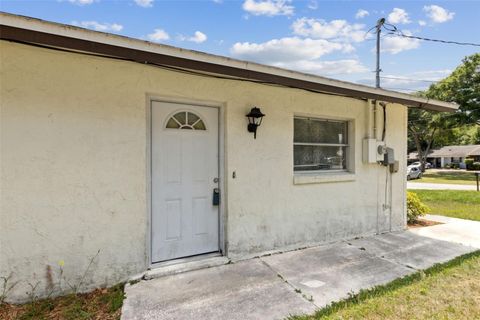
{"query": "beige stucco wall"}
[(74, 167)]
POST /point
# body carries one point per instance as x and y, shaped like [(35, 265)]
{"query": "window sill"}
[(308, 178)]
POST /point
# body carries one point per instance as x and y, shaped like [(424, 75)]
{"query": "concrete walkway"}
[(466, 232), (439, 186), (297, 282)]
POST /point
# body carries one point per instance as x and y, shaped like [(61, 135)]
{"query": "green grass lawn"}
[(447, 177), (448, 291), (452, 203)]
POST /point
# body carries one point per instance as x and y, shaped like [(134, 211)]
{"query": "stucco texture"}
[(74, 167)]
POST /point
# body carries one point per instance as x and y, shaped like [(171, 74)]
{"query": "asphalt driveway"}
[(297, 282)]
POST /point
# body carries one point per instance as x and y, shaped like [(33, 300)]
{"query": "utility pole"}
[(380, 23)]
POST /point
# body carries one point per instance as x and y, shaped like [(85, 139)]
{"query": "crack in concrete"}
[(295, 289), (373, 255)]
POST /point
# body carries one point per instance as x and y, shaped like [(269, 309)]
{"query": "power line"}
[(408, 79), (395, 31), (430, 118), (395, 88), (437, 40), (410, 90), (452, 115)]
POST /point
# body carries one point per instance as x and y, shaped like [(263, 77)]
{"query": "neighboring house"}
[(447, 155), (141, 151)]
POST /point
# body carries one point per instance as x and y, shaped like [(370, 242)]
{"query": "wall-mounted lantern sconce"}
[(254, 120)]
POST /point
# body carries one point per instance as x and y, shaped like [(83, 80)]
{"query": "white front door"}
[(185, 172)]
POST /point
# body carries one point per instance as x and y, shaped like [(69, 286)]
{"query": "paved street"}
[(439, 186), (301, 281)]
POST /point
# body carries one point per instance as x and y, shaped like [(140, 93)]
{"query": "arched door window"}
[(185, 120)]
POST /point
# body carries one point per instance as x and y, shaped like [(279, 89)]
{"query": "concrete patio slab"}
[(410, 249), (332, 272), (466, 232), (244, 290), (295, 282)]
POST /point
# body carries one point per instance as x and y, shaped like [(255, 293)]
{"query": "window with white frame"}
[(320, 145)]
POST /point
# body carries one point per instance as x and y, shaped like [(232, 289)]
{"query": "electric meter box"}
[(373, 150)]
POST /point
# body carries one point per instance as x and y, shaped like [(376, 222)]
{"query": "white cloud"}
[(303, 52), (218, 1), (81, 2), (104, 27), (144, 3), (422, 23), (397, 44), (335, 67), (300, 55), (398, 16), (433, 75), (361, 13), (268, 7), (158, 35), (312, 5), (287, 50), (410, 82), (335, 29), (198, 37), (438, 14)]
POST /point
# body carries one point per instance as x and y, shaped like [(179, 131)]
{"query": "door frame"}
[(222, 208)]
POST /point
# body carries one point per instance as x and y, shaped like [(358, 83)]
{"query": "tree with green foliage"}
[(422, 127), (462, 87)]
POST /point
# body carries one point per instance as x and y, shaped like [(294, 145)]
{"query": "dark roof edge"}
[(277, 76)]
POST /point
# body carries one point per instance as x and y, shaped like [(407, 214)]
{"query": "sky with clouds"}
[(327, 38)]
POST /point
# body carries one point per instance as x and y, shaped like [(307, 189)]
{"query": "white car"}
[(414, 172), (428, 165)]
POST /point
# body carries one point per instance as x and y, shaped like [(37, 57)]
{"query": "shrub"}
[(415, 207), (476, 166), (450, 165), (469, 164)]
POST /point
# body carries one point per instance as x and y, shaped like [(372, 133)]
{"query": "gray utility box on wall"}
[(388, 157)]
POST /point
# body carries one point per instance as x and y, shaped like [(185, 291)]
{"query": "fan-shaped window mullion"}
[(175, 119), (198, 120), (185, 120)]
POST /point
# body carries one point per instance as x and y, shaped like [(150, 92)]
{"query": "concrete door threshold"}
[(184, 265)]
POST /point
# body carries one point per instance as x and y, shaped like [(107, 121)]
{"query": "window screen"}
[(320, 145)]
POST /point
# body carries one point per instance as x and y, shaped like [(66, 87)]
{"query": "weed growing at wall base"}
[(104, 304), (7, 286)]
